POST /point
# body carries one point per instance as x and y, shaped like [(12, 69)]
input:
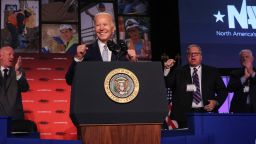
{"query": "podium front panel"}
[(91, 105)]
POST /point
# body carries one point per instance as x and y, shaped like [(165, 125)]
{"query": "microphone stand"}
[(113, 47), (122, 48)]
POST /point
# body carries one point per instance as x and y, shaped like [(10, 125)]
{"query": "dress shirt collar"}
[(197, 67), (2, 70), (101, 46)]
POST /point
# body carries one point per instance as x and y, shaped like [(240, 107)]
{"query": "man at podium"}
[(99, 50)]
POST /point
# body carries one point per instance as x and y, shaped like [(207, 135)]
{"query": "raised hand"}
[(132, 55), (248, 69), (81, 51), (18, 66), (169, 63)]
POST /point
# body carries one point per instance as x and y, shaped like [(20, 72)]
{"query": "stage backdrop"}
[(47, 102), (42, 46), (221, 27)]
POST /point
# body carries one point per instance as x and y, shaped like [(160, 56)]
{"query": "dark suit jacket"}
[(92, 54), (211, 83), (10, 95), (238, 103)]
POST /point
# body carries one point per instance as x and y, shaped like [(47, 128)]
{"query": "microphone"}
[(113, 47), (118, 49), (123, 46)]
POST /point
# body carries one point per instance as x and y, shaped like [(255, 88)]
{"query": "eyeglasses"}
[(194, 54)]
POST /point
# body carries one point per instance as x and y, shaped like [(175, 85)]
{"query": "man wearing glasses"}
[(195, 87)]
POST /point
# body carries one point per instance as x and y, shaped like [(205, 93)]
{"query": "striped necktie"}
[(196, 94)]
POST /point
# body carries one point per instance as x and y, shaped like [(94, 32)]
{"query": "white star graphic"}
[(219, 17)]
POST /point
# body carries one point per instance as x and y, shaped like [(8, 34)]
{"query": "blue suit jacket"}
[(92, 54)]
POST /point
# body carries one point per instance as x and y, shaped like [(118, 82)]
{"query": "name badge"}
[(191, 88), (246, 89)]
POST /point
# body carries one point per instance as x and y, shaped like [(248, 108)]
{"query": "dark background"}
[(165, 28), (165, 36)]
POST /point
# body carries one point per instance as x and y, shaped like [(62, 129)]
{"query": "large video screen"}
[(221, 27), (132, 22), (20, 25)]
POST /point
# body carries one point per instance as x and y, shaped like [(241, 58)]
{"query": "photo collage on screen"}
[(59, 26), (131, 19), (23, 36)]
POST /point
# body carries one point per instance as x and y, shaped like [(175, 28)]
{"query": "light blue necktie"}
[(105, 53)]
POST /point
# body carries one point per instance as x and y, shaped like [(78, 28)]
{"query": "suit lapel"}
[(2, 80), (188, 74), (188, 80), (113, 57), (95, 54), (96, 51), (10, 77), (203, 79)]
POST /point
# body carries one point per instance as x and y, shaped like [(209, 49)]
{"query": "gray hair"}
[(246, 51), (194, 45), (4, 48), (106, 14)]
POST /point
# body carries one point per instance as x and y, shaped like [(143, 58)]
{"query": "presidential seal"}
[(121, 85)]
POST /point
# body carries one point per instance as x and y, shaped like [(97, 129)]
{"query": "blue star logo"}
[(219, 17)]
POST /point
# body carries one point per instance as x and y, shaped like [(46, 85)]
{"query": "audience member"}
[(13, 82), (243, 83), (195, 87)]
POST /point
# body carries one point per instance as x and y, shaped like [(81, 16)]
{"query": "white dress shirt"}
[(101, 46), (199, 73)]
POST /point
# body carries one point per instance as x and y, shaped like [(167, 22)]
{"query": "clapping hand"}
[(248, 69), (212, 104), (18, 66)]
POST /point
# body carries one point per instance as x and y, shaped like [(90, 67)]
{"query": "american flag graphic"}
[(169, 123)]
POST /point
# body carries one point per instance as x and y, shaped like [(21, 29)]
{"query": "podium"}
[(103, 120)]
